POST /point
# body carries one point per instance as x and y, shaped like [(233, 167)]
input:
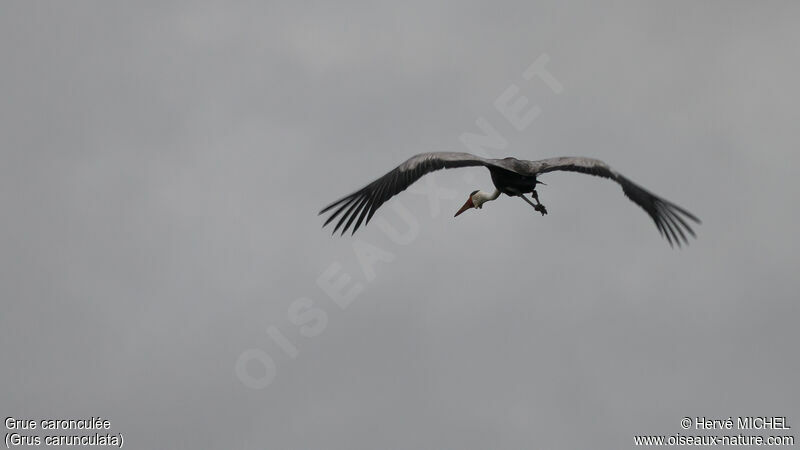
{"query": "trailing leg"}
[(539, 207)]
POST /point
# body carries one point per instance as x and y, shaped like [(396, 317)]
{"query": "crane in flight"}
[(510, 176)]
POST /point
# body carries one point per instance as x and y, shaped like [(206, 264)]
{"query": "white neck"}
[(483, 197)]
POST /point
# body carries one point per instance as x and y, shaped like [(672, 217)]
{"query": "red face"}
[(466, 206)]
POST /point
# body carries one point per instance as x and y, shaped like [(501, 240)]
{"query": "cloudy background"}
[(162, 168)]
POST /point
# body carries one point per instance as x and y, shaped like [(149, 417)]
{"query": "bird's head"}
[(475, 200)]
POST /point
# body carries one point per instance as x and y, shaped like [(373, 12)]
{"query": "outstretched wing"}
[(364, 202), (670, 218)]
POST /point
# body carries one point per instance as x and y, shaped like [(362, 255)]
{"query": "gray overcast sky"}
[(163, 166)]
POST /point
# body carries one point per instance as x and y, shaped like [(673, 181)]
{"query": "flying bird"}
[(510, 176)]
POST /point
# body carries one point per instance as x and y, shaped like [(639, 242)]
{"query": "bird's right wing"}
[(364, 202)]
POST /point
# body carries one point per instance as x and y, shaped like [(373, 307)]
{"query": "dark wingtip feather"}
[(352, 214), (336, 213), (686, 226), (685, 212), (327, 208), (671, 217), (344, 216), (661, 228), (361, 216)]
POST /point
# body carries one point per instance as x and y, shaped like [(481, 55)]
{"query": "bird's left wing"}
[(364, 202), (670, 218)]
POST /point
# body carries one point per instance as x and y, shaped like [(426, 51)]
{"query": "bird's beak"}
[(466, 206)]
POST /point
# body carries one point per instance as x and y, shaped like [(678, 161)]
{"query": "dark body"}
[(512, 183)]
